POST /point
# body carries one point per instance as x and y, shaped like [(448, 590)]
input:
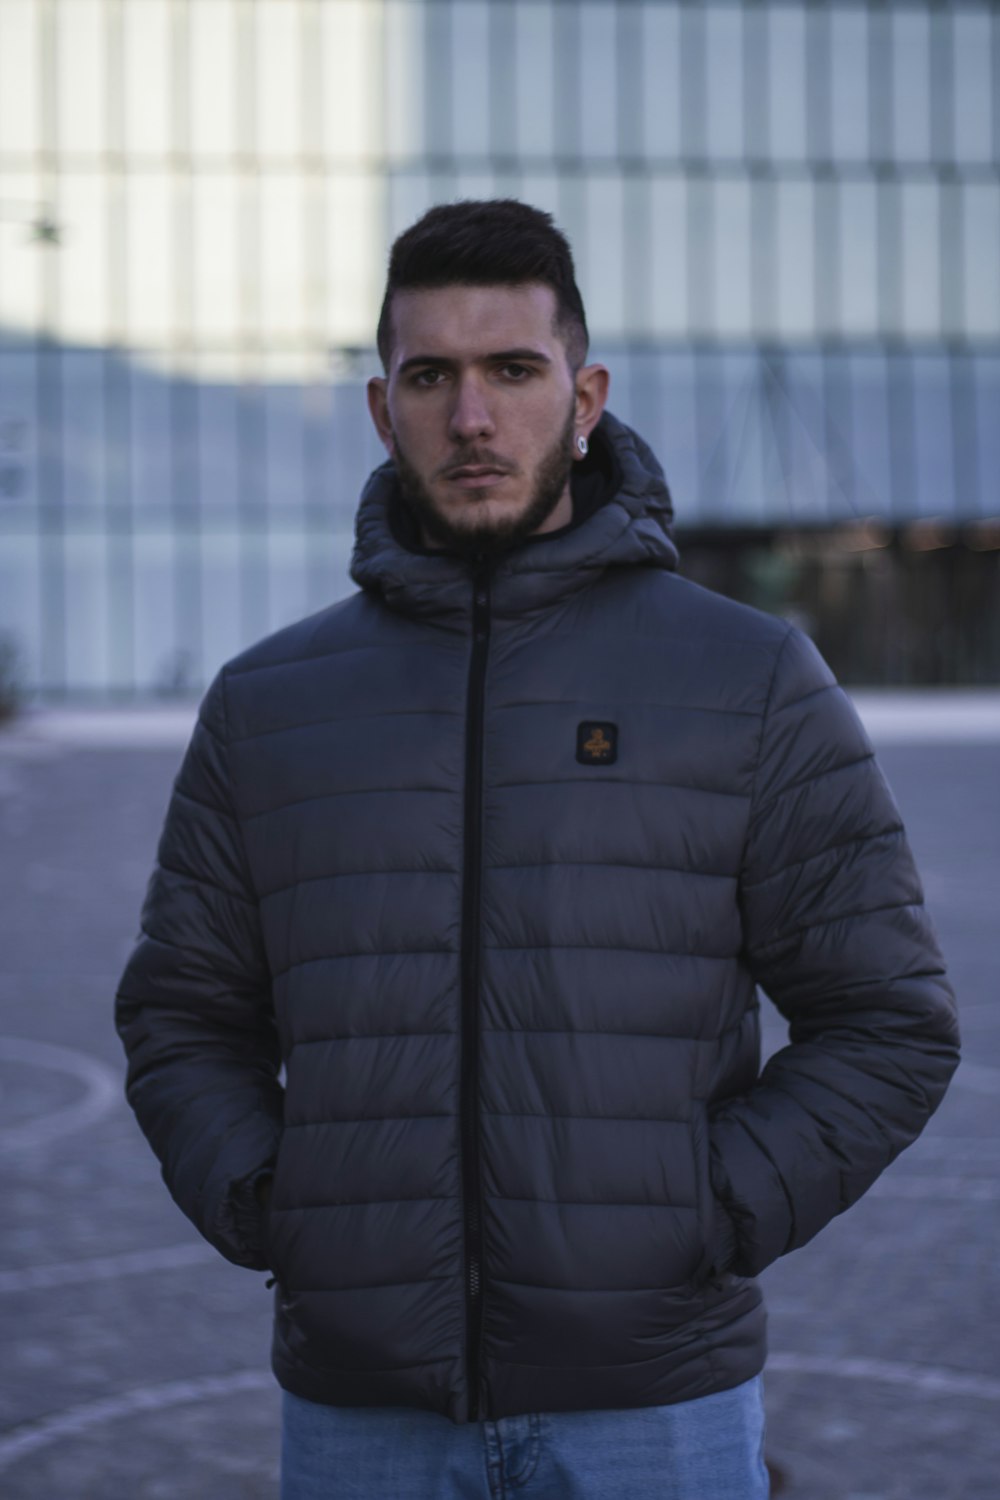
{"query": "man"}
[(492, 855)]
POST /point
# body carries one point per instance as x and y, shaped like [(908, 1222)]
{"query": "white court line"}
[(107, 1267), (954, 1189), (929, 717), (32, 1436), (156, 1398), (928, 1378), (956, 1148), (38, 730), (103, 1091)]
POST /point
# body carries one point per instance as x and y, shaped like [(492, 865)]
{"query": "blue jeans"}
[(708, 1449)]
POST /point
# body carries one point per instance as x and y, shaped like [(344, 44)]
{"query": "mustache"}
[(479, 458)]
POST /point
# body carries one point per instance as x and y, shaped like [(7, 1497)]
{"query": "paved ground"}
[(134, 1363)]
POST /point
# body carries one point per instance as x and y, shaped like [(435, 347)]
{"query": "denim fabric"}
[(711, 1448)]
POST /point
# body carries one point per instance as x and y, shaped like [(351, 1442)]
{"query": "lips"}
[(476, 476)]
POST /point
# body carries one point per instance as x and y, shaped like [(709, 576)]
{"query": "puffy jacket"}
[(492, 858)]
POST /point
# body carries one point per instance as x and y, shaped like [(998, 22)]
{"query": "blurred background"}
[(786, 219), (787, 225)]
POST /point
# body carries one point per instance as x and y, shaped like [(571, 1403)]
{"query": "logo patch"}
[(596, 743)]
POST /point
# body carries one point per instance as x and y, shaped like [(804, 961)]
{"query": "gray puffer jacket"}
[(492, 858)]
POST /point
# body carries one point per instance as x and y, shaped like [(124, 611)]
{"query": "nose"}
[(470, 416)]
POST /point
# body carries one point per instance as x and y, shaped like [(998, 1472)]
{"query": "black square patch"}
[(596, 743)]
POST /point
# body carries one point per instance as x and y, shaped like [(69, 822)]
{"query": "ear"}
[(378, 405), (592, 384)]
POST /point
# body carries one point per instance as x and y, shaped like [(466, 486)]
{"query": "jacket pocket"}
[(714, 1232)]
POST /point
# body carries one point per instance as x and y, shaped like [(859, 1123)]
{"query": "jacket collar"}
[(630, 526)]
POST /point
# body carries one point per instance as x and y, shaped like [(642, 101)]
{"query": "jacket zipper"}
[(470, 968)]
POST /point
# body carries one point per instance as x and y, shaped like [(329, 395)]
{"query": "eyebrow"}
[(501, 356)]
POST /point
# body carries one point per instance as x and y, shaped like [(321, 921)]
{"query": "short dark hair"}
[(487, 242)]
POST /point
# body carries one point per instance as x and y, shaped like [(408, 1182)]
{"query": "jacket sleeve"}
[(194, 1009), (835, 932)]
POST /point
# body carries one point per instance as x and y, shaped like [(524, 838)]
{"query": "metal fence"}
[(787, 225)]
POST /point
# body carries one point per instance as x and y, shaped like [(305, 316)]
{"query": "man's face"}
[(480, 412)]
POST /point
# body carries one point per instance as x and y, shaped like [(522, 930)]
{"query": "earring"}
[(582, 444)]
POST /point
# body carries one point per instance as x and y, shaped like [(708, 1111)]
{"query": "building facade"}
[(786, 219)]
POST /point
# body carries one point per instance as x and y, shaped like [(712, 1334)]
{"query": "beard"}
[(474, 534)]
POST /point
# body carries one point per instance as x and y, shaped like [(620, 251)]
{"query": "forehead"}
[(467, 322)]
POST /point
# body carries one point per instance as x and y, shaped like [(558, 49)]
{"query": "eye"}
[(516, 372), (428, 378)]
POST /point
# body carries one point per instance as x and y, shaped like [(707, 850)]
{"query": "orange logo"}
[(598, 744)]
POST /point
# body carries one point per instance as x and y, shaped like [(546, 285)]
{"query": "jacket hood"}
[(629, 524)]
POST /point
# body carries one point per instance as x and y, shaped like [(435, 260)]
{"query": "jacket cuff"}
[(247, 1217)]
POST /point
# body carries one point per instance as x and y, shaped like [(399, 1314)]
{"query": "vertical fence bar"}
[(566, 87), (829, 227), (637, 257), (184, 664), (251, 427), (761, 171), (49, 367), (502, 94), (316, 425), (117, 367), (701, 318)]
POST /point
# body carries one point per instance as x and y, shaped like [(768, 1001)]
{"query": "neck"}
[(561, 515)]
